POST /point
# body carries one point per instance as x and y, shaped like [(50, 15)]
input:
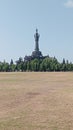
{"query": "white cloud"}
[(69, 4)]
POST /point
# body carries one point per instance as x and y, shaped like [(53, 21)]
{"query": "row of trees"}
[(46, 64)]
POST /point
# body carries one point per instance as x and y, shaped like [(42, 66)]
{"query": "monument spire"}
[(36, 53), (36, 36)]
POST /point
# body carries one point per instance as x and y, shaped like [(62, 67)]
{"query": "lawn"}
[(36, 101)]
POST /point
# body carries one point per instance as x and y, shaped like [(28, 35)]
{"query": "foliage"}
[(45, 64)]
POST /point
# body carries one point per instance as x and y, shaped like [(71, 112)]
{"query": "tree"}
[(63, 61), (34, 65), (19, 64), (5, 66), (11, 62)]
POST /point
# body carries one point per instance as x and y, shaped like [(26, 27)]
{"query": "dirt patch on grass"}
[(32, 94)]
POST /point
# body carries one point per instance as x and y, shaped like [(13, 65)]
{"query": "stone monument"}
[(36, 53)]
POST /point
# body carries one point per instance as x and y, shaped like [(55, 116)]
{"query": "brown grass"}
[(36, 101)]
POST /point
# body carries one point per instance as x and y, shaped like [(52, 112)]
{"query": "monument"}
[(36, 53)]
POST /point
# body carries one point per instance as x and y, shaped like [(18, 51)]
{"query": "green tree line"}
[(45, 64)]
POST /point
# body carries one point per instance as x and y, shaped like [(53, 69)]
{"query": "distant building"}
[(36, 53)]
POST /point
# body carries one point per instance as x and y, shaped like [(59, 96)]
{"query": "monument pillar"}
[(36, 36)]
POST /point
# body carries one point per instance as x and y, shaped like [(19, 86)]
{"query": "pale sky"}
[(19, 20)]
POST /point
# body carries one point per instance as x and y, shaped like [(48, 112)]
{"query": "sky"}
[(19, 20)]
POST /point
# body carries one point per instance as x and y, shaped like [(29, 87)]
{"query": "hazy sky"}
[(19, 20)]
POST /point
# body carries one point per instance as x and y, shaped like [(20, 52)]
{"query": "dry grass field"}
[(36, 101)]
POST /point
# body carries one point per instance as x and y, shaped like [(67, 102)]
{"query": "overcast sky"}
[(19, 20)]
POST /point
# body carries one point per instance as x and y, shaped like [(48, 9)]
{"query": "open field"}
[(36, 101)]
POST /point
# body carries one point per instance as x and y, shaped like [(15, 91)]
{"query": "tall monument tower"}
[(36, 36), (36, 53)]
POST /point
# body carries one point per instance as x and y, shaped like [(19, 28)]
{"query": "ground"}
[(36, 101)]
